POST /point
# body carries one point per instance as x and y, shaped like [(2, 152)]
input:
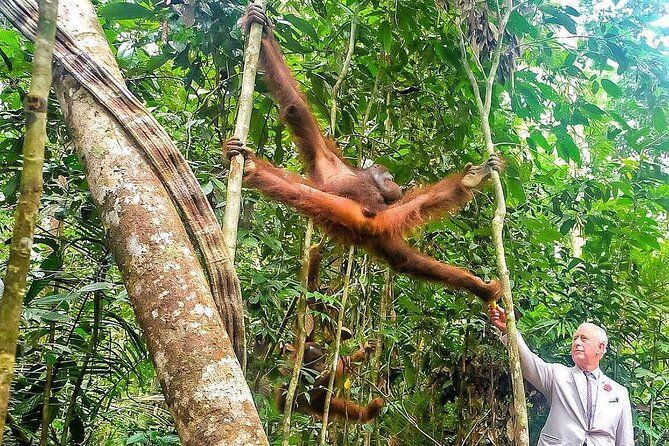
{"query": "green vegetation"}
[(579, 112)]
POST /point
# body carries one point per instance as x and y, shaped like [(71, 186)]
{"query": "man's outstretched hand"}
[(498, 317)]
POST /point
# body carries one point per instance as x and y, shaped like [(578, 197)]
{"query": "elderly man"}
[(587, 407)]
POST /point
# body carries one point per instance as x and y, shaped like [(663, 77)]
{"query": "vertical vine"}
[(234, 192), (483, 104), (300, 337), (30, 192)]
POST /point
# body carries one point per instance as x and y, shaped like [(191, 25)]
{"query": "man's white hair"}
[(601, 333)]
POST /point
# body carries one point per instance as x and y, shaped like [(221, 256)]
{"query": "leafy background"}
[(579, 114)]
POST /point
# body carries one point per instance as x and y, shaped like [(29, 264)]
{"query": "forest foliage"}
[(579, 114)]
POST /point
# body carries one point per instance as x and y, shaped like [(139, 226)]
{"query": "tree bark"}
[(200, 377), (106, 84), (236, 173), (35, 105), (484, 104)]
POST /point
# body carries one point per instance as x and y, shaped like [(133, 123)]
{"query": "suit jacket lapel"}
[(579, 388), (602, 395)]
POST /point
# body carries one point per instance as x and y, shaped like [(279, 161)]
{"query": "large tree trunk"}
[(199, 374), (164, 156)]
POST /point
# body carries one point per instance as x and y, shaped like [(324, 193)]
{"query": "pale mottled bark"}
[(104, 83), (234, 193), (30, 192), (201, 379)]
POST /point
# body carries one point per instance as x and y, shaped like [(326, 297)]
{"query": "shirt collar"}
[(597, 373)]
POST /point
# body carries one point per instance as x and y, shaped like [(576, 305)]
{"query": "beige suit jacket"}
[(565, 389)]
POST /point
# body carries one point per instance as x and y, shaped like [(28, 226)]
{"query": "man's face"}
[(586, 347)]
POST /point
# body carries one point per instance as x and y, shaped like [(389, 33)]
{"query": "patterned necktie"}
[(588, 377)]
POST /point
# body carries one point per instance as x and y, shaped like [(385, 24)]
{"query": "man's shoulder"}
[(561, 369)]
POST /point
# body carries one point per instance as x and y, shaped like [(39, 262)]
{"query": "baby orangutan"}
[(312, 401)]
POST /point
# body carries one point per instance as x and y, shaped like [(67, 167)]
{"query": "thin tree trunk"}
[(337, 344), (97, 310), (46, 394), (35, 106), (234, 192), (483, 103), (342, 74), (386, 296), (300, 338), (200, 377), (55, 229)]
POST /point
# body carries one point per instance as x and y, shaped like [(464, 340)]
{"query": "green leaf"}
[(560, 18), (157, 62), (620, 56), (566, 226), (567, 148), (659, 119), (516, 191), (571, 11), (124, 11), (519, 24), (385, 36), (139, 437), (592, 110), (303, 25), (53, 298), (570, 59), (539, 138), (95, 287), (611, 88), (594, 87), (53, 316)]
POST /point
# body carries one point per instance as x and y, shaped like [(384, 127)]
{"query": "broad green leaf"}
[(157, 62), (611, 88), (569, 60), (303, 25), (659, 119), (124, 11), (619, 55), (560, 18), (592, 110), (53, 298), (566, 226), (571, 11), (516, 191), (568, 147), (519, 24), (385, 36), (539, 138)]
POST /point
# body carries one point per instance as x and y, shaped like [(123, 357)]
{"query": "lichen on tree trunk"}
[(106, 85), (201, 379)]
